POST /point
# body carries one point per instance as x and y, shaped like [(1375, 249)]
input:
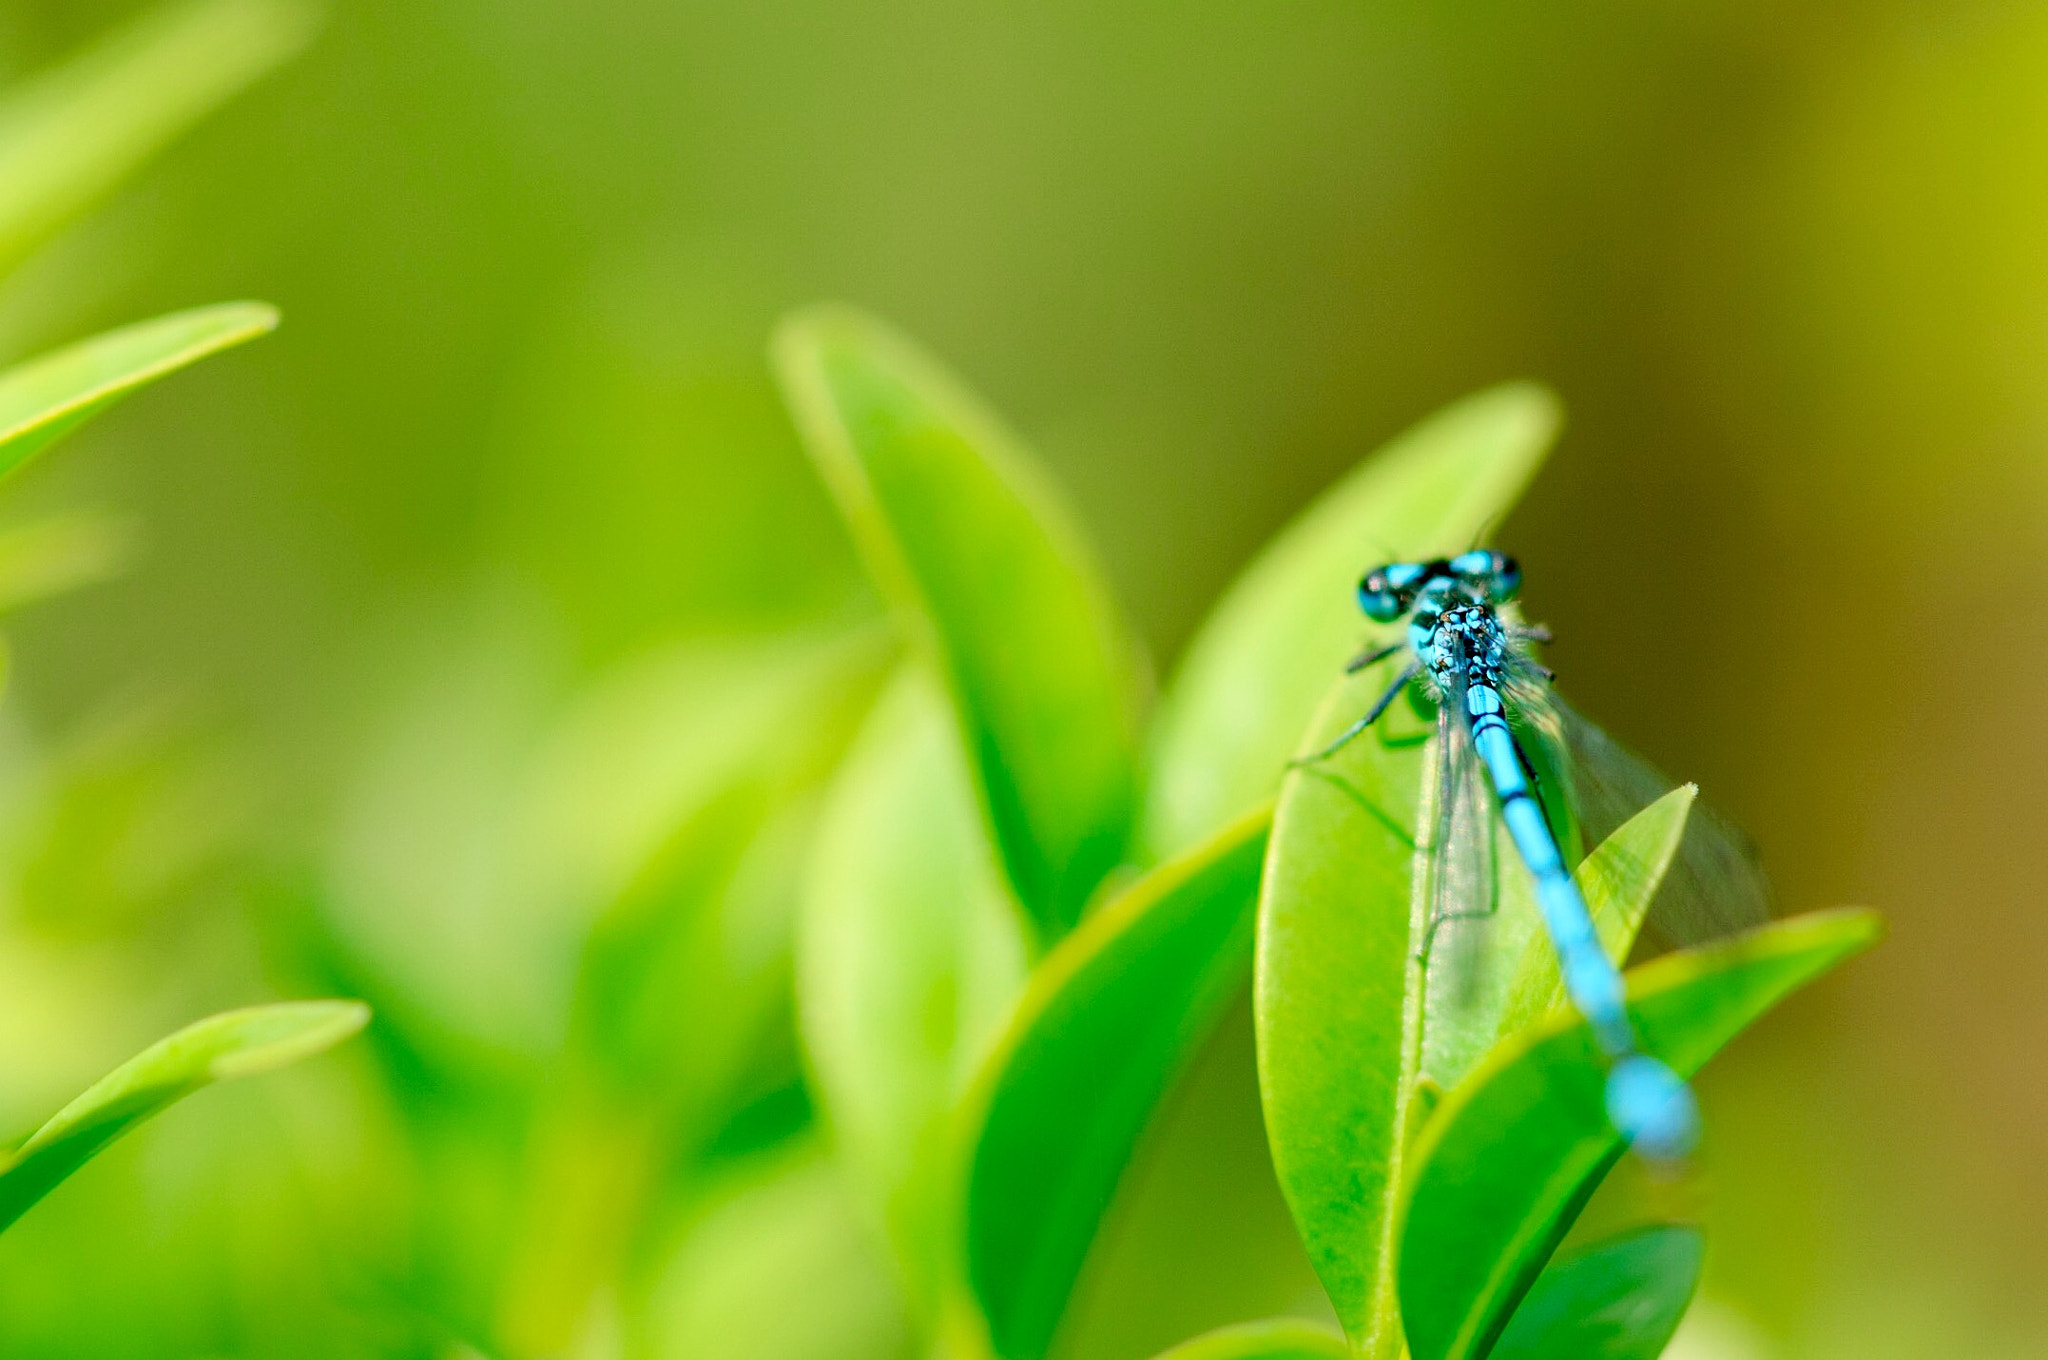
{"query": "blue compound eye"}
[(1379, 599), (1507, 578), (1474, 565), (1495, 576)]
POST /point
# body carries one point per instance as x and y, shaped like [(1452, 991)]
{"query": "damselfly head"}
[(1481, 576), (1488, 577)]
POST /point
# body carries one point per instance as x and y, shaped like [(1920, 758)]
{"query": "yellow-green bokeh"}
[(1787, 265)]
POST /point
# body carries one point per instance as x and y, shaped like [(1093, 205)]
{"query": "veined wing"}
[(1462, 883), (1482, 915), (1715, 885)]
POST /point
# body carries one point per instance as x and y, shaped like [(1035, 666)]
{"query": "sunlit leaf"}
[(1337, 1002), (969, 542), (1278, 1339), (1619, 879), (48, 397), (1353, 1046), (910, 952), (72, 133), (232, 1044), (1618, 1300), (1109, 1019), (1253, 676), (1514, 1152)]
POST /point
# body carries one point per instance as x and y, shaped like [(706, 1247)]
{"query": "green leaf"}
[(909, 954), (968, 541), (1619, 1300), (1513, 1153), (1337, 1003), (1276, 1339), (1354, 1041), (71, 134), (677, 804), (1108, 1021), (1619, 880), (60, 553), (1254, 674), (48, 397), (1468, 1011), (497, 821), (238, 1043)]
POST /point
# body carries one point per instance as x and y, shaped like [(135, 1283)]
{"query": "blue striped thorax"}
[(1465, 639)]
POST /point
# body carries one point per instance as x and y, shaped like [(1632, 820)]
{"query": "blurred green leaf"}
[(60, 553), (683, 985), (1253, 676), (772, 1265), (1107, 1022), (72, 133), (674, 804), (1279, 1339), (1619, 1300), (232, 1044), (1514, 1152), (1357, 1033), (497, 823), (910, 952), (968, 540), (137, 811), (46, 398)]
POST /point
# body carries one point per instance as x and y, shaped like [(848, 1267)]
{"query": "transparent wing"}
[(1462, 888), (1716, 885)]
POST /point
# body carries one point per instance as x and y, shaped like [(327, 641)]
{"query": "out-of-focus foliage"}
[(63, 140), (517, 463), (990, 1156)]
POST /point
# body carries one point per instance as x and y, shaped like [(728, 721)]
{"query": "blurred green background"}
[(516, 443)]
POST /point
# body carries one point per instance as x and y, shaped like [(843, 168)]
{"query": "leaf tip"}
[(300, 1029)]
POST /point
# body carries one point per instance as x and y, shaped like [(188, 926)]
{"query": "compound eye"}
[(1380, 600), (1507, 578), (1477, 565)]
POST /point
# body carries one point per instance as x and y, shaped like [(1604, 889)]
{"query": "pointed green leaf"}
[(1619, 1300), (1337, 1003), (1354, 1044), (909, 953), (1619, 880), (232, 1044), (968, 541), (1470, 1009), (1277, 1339), (46, 398), (1109, 1019), (1253, 676), (71, 134), (1512, 1155)]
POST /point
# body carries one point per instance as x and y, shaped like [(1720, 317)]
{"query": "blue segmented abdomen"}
[(1648, 1102)]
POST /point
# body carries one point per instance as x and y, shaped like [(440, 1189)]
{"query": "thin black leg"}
[(1364, 659), (1408, 673)]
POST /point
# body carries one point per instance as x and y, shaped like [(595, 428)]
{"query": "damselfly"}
[(1495, 707)]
